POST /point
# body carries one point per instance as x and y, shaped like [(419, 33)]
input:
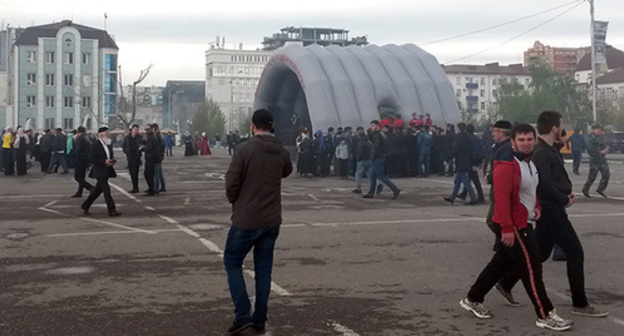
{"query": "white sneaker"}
[(476, 308), (554, 322)]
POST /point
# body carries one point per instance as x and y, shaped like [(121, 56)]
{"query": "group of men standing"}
[(153, 145)]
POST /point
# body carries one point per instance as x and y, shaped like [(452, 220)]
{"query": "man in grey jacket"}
[(253, 185)]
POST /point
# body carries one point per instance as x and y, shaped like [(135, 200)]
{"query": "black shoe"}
[(260, 328), (239, 326), (472, 203), (379, 189), (586, 193), (76, 196), (396, 194), (481, 201), (450, 200), (133, 191), (163, 190), (356, 191), (114, 213), (601, 193), (368, 196), (149, 194), (462, 197), (85, 211)]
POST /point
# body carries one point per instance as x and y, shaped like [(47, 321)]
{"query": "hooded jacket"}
[(253, 182), (509, 212)]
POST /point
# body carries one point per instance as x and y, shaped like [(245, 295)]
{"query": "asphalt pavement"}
[(343, 265)]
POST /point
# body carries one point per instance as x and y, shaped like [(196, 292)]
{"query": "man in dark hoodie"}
[(253, 185)]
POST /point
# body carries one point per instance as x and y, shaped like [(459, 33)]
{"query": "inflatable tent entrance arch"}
[(348, 86)]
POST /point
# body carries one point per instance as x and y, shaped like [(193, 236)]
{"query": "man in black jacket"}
[(152, 157), (253, 185), (132, 149), (59, 143), (462, 152), (81, 155), (102, 158), (379, 138), (46, 150)]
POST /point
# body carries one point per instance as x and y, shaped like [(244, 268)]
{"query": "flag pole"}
[(593, 59)]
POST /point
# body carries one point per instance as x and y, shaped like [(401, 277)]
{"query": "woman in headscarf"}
[(188, 143), (205, 149), (21, 147), (8, 162)]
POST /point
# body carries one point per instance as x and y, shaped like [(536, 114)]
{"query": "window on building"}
[(31, 57), (527, 82), (482, 93), (86, 101), (494, 93), (468, 79), (68, 101), (494, 81), (110, 62), (458, 92), (49, 123), (86, 58), (68, 123), (68, 80), (483, 105), (110, 104), (110, 82), (31, 101), (50, 101), (458, 80), (482, 80), (31, 78), (68, 58), (49, 57), (49, 81)]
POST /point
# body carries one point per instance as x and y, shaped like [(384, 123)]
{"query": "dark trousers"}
[(58, 159), (44, 158), (554, 227), (377, 173), (523, 257), (80, 172), (20, 161), (239, 243), (605, 174), (169, 151), (576, 160), (133, 169), (101, 187), (149, 175), (8, 162)]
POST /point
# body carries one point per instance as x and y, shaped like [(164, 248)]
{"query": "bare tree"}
[(123, 107)]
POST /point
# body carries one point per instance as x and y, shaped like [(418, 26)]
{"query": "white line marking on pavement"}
[(54, 212), (150, 208), (127, 194), (313, 197), (342, 329), (78, 234), (116, 225), (617, 214), (187, 201), (49, 204), (405, 221), (188, 231), (32, 196), (211, 246)]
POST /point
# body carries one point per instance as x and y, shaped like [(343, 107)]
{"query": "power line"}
[(517, 36), (501, 24)]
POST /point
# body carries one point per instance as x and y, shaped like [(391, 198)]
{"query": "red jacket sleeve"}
[(503, 188)]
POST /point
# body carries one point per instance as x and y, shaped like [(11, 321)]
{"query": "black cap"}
[(262, 117), (102, 129), (503, 124)]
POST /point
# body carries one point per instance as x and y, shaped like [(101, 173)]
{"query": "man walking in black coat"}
[(81, 150), (132, 149), (462, 152), (152, 157), (59, 143), (102, 158)]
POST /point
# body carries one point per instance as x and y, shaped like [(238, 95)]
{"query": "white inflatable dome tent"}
[(349, 86)]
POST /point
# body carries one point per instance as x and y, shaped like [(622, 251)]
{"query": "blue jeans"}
[(377, 173), (239, 243), (463, 178), (576, 160), (159, 179), (424, 157), (363, 166)]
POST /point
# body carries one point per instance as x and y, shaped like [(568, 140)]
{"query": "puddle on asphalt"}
[(205, 227), (72, 270)]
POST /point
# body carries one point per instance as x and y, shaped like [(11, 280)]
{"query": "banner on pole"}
[(600, 41)]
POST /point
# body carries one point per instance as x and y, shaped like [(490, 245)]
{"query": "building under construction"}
[(320, 36)]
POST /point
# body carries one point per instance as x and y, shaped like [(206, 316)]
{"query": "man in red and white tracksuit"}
[(515, 207)]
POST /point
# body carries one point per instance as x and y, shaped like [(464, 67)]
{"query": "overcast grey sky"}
[(174, 36)]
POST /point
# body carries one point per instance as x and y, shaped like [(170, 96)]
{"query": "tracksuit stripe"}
[(531, 275)]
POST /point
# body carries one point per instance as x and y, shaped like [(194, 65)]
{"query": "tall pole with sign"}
[(593, 59)]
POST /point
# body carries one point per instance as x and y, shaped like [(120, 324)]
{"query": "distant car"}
[(617, 143)]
